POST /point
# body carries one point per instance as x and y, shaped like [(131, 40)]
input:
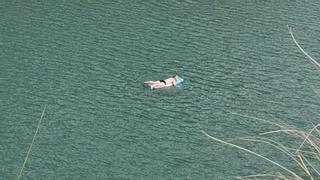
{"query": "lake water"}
[(86, 61)]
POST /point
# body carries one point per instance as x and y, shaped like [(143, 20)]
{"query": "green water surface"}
[(86, 61)]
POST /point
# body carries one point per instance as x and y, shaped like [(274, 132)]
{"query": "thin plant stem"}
[(29, 150), (254, 153), (305, 53), (307, 137)]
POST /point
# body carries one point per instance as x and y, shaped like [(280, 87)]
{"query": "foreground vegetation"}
[(306, 156)]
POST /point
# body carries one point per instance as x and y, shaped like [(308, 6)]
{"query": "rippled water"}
[(86, 61)]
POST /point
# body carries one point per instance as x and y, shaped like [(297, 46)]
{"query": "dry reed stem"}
[(282, 148), (307, 138), (304, 52), (253, 153), (29, 150), (273, 176)]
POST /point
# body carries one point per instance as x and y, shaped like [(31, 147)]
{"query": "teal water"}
[(85, 61)]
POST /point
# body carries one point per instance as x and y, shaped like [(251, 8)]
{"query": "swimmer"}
[(171, 81)]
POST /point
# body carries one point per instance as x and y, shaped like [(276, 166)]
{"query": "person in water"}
[(171, 81)]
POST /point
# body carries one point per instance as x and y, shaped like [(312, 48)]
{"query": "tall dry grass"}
[(306, 156)]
